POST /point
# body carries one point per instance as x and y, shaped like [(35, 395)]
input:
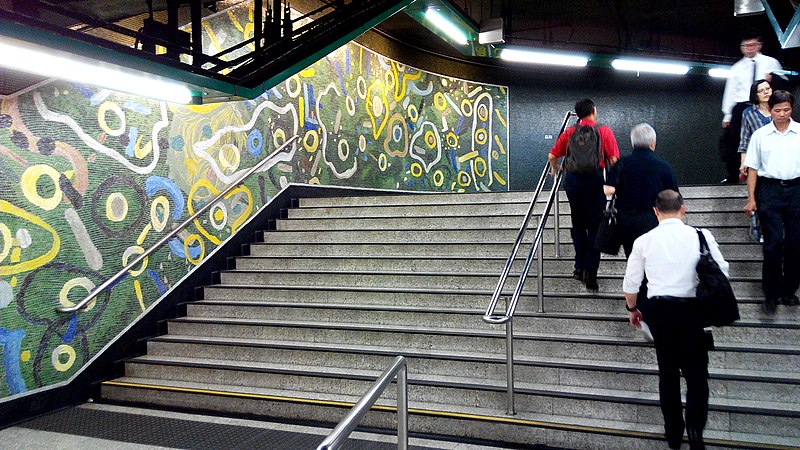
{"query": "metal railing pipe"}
[(339, 434), (490, 315), (117, 276)]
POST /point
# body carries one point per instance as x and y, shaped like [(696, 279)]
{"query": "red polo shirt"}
[(608, 143)]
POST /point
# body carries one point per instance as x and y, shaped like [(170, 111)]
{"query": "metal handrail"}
[(490, 315), (114, 279), (511, 304), (339, 434)]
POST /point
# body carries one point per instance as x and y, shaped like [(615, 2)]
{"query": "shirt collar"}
[(586, 122), (794, 127), (672, 221)]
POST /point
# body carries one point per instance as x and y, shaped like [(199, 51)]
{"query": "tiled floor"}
[(101, 425)]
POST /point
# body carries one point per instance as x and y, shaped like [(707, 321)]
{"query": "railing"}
[(339, 434), (511, 304), (114, 279)]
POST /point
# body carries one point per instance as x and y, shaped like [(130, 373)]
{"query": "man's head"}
[(780, 107), (584, 108), (750, 45), (669, 205), (643, 135)]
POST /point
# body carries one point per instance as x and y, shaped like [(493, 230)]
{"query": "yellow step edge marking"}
[(445, 414)]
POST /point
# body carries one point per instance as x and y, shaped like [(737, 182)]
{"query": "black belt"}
[(673, 299), (776, 181)]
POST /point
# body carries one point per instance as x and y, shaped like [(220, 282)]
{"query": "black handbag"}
[(607, 240), (714, 292)]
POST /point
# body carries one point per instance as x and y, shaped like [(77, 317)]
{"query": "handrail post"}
[(397, 369), (402, 408), (510, 367), (557, 225), (541, 277)]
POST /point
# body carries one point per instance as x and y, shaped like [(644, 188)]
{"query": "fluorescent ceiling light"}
[(719, 73), (446, 26), (44, 62), (641, 65), (534, 57)]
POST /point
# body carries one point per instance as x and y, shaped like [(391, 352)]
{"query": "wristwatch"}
[(635, 308)]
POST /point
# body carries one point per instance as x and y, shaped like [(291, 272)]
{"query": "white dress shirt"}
[(775, 154), (737, 88), (668, 254)]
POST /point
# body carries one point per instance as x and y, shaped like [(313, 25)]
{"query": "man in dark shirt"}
[(637, 179)]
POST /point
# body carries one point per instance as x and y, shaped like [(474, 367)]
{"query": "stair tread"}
[(415, 407), (488, 332), (462, 355)]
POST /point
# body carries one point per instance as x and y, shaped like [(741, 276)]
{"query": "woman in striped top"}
[(754, 117)]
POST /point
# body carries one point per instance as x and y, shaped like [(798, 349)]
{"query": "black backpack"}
[(584, 150)]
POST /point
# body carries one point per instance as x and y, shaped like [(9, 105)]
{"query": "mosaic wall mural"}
[(90, 178)]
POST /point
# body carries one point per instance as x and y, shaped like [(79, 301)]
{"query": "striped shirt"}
[(752, 119)]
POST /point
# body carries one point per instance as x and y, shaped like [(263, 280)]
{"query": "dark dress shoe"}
[(790, 300), (695, 440), (577, 274), (768, 306), (591, 283)]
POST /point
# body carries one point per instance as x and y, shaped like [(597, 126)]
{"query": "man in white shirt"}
[(773, 192), (736, 97), (668, 256)]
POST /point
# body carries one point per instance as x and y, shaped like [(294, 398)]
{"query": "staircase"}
[(313, 314)]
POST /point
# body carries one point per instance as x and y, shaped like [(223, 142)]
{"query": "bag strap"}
[(703, 243)]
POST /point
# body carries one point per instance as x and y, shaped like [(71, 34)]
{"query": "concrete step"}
[(749, 308), (448, 224), (734, 384), (525, 428), (609, 266), (750, 356), (690, 194), (611, 284), (593, 324), (733, 208), (463, 391), (726, 235), (475, 249)]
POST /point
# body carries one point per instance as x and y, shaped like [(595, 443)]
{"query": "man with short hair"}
[(736, 97), (773, 192), (668, 256), (637, 179), (585, 192)]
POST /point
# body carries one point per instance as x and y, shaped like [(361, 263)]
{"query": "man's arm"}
[(551, 158), (609, 144), (713, 248), (750, 207)]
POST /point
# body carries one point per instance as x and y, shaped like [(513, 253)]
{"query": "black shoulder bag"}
[(714, 291)]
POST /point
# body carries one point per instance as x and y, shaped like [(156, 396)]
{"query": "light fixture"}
[(446, 26), (719, 73), (537, 57), (25, 57), (642, 65)]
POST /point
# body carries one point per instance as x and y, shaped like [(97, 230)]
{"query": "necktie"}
[(754, 70)]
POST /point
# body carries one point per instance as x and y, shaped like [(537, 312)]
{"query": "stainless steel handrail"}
[(339, 434), (511, 304), (113, 280), (490, 315)]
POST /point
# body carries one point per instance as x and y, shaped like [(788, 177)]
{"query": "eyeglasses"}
[(764, 90)]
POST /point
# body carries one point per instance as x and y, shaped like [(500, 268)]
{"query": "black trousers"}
[(586, 202), (632, 224), (733, 136), (779, 213), (680, 348)]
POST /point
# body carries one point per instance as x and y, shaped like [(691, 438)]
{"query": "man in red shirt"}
[(585, 193)]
